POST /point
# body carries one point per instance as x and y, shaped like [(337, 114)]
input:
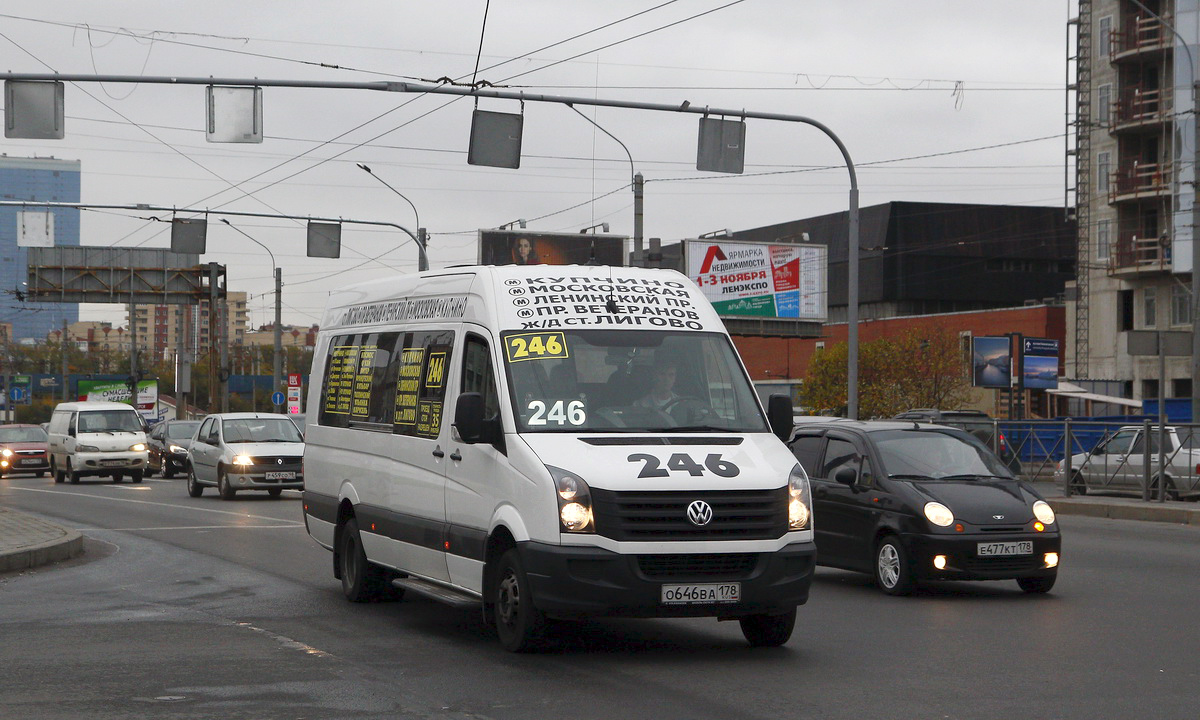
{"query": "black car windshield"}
[(96, 421), (629, 381), (936, 454), (248, 430), (182, 430), (22, 435)]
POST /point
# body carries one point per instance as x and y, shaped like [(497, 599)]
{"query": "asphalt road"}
[(199, 608)]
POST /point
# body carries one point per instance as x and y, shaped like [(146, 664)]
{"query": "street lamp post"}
[(276, 377), (422, 238)]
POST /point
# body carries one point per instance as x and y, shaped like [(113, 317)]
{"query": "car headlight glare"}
[(177, 450), (86, 448), (243, 460), (1042, 511), (939, 514), (139, 447), (799, 500), (574, 501), (6, 452)]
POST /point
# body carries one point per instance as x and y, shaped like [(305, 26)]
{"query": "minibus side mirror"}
[(468, 417), (779, 414)]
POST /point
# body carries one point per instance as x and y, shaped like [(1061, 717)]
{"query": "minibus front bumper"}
[(573, 582)]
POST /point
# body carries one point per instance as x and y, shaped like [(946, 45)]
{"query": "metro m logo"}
[(714, 253)]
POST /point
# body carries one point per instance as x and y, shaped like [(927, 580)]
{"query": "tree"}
[(919, 368)]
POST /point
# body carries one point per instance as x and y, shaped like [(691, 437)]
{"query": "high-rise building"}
[(38, 179), (1135, 150), (161, 329)]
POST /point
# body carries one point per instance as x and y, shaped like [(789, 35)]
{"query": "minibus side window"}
[(478, 376), (421, 361)]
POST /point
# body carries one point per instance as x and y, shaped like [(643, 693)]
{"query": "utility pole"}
[(212, 337), (276, 380), (63, 348), (639, 188), (224, 302)]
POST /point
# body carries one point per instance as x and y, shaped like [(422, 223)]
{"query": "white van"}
[(97, 439), (549, 441)]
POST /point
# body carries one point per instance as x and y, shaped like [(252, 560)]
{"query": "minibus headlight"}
[(1042, 511), (139, 447), (86, 448), (799, 500), (574, 501)]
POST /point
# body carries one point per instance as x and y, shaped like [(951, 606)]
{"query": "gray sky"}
[(895, 80)]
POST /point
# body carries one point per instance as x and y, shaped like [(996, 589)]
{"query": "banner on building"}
[(760, 279), (519, 247)]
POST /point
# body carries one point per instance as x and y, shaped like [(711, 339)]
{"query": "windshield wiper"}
[(975, 476), (903, 476)]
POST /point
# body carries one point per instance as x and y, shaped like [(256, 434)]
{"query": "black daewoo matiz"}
[(912, 502)]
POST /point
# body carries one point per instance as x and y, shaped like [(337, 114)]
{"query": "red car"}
[(23, 449)]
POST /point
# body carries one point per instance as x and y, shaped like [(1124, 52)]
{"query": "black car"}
[(976, 422), (912, 502), (167, 446)]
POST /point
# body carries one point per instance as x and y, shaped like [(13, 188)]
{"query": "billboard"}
[(745, 279), (518, 247), (991, 362), (118, 391), (1039, 363)]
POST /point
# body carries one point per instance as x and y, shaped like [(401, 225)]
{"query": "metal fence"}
[(1125, 456)]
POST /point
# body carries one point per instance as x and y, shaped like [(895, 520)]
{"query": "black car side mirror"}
[(847, 476)]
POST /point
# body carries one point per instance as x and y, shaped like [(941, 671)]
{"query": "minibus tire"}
[(361, 581), (519, 624), (768, 630)]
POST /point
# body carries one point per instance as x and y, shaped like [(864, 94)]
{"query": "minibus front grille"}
[(724, 566), (650, 516)]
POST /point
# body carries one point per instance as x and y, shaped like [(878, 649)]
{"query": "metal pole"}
[(277, 377), (1195, 304), (1147, 470), (63, 348), (224, 340), (1067, 453), (423, 244), (639, 189), (852, 249)]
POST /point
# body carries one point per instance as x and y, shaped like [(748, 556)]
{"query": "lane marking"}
[(159, 504), (286, 642)]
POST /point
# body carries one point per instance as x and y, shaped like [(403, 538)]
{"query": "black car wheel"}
[(168, 469), (195, 489), (768, 630), (72, 474), (1037, 584), (892, 571), (518, 623), (58, 476), (275, 492), (1172, 493), (135, 476), (1078, 485)]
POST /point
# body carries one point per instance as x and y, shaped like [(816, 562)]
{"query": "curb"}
[(69, 545), (1152, 512)]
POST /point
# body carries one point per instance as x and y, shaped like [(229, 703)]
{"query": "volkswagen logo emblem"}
[(700, 513), (278, 461)]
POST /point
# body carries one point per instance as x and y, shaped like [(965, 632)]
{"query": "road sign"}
[(276, 398), (17, 394)]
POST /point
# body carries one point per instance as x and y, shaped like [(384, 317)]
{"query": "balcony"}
[(1139, 107), (1133, 255), (1139, 35), (1140, 180)]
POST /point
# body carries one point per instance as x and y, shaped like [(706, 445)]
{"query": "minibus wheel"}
[(768, 630), (361, 581), (518, 623)]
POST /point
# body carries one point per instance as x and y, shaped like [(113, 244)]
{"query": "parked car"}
[(913, 502), (245, 451), (97, 439), (167, 446), (1118, 464), (976, 422), (23, 448)]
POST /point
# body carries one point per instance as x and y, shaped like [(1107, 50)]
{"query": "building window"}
[(1150, 307), (1181, 388), (1103, 171), (1181, 306), (1103, 239), (1104, 104), (1105, 35), (1124, 310), (1149, 389)]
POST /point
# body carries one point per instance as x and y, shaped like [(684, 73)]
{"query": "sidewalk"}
[(27, 541)]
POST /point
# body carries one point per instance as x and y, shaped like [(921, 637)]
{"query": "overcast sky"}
[(939, 101)]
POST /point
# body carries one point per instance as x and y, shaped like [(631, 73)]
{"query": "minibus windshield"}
[(628, 381)]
